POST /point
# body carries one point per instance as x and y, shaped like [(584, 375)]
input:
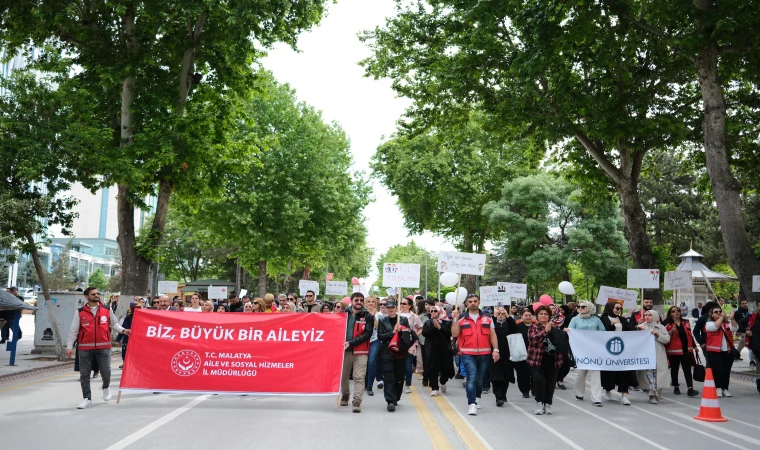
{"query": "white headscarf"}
[(590, 309), (655, 320)]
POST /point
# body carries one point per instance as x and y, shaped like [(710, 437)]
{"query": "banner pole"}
[(118, 397), (459, 283)]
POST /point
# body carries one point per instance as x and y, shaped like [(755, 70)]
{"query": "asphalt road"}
[(42, 414)]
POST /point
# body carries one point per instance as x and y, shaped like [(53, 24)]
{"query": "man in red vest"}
[(91, 328), (359, 328), (477, 345)]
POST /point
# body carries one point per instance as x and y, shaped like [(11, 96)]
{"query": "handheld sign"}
[(491, 296), (755, 283), (643, 279), (607, 293), (462, 263), (513, 290), (336, 288), (167, 286), (308, 285), (401, 275), (677, 280), (217, 292)]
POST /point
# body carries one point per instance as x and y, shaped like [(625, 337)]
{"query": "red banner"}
[(291, 353)]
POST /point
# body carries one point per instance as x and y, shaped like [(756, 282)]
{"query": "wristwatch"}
[(496, 350)]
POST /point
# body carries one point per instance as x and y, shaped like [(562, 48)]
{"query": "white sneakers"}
[(539, 409), (434, 394), (85, 404), (477, 403), (726, 393), (473, 410), (443, 388), (607, 397), (625, 401), (106, 394), (547, 409), (407, 390)]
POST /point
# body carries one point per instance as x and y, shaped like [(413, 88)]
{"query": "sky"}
[(325, 74)]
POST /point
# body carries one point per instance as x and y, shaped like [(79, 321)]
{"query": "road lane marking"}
[(139, 434), (613, 424), (717, 428), (547, 427), (437, 438), (472, 439)]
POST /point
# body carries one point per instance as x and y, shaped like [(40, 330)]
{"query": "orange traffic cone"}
[(710, 409)]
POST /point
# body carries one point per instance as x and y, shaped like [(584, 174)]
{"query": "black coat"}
[(438, 347), (385, 334), (502, 369), (610, 327)]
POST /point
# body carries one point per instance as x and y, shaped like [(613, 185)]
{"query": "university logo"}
[(615, 346), (186, 363)]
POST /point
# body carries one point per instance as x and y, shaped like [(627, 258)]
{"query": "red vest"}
[(750, 323), (94, 331), (475, 335), (359, 326), (715, 338), (675, 347)]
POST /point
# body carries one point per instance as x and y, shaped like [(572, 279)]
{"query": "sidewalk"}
[(26, 363)]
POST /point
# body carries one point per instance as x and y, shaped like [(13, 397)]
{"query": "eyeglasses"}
[(358, 299), (717, 312)]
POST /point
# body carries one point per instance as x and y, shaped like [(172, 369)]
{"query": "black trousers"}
[(500, 389), (544, 380), (433, 377), (393, 379), (425, 365), (564, 369), (621, 379), (720, 363), (524, 376), (683, 361)]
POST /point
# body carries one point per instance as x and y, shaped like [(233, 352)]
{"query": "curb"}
[(745, 376), (20, 375)]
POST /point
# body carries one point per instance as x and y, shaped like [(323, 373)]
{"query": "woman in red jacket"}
[(720, 340), (680, 350)]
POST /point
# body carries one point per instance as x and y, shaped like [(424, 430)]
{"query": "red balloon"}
[(355, 281), (346, 300), (546, 300)]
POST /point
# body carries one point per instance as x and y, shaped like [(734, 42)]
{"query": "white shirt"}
[(74, 330), (710, 326), (189, 309)]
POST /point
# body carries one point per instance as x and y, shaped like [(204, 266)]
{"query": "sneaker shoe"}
[(499, 403), (3, 341), (425, 382), (344, 400), (443, 388), (539, 409), (477, 402), (370, 392), (391, 407), (653, 399), (434, 394), (692, 392), (85, 404), (473, 410), (608, 397), (561, 386), (458, 377), (598, 404), (677, 390), (357, 407), (107, 394), (726, 393), (380, 385), (547, 409), (752, 362), (526, 395), (486, 390), (579, 398), (464, 383), (624, 401), (407, 390)]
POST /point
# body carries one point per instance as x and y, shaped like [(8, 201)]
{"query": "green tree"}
[(61, 278), (599, 91), (169, 77), (549, 226), (98, 279), (443, 177), (411, 253)]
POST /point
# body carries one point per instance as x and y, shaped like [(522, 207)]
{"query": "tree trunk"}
[(725, 186), (262, 278), (60, 348)]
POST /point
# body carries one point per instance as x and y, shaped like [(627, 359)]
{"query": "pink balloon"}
[(355, 281), (546, 300), (346, 300)]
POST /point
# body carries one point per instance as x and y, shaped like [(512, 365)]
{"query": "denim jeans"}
[(476, 367), (374, 369), (411, 361)]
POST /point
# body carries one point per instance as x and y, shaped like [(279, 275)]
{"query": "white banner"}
[(643, 278), (363, 289), (755, 283), (491, 296), (607, 293), (308, 285), (677, 280), (167, 287), (336, 288), (242, 294), (513, 290), (612, 350), (462, 263), (401, 275), (217, 292), (391, 292)]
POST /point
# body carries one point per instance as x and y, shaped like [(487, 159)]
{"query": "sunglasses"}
[(583, 307), (309, 295), (357, 299), (717, 312), (404, 304), (617, 308), (291, 299)]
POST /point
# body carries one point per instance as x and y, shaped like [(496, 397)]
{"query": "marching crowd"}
[(387, 340)]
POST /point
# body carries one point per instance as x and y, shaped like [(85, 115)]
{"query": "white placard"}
[(491, 296), (612, 350), (308, 285), (363, 289), (629, 297), (513, 290), (644, 278), (391, 292), (168, 287), (217, 292), (242, 293), (462, 263), (677, 280), (401, 275), (755, 283), (336, 288)]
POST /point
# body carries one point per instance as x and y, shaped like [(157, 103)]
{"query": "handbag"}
[(517, 350), (454, 347), (699, 369)]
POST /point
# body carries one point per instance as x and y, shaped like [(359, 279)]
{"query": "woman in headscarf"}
[(587, 320), (613, 321), (501, 372), (655, 378), (558, 321), (437, 331), (524, 376)]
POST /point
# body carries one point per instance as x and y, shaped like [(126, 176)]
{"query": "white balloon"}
[(461, 294), (362, 281), (566, 288), (451, 298), (449, 279)]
